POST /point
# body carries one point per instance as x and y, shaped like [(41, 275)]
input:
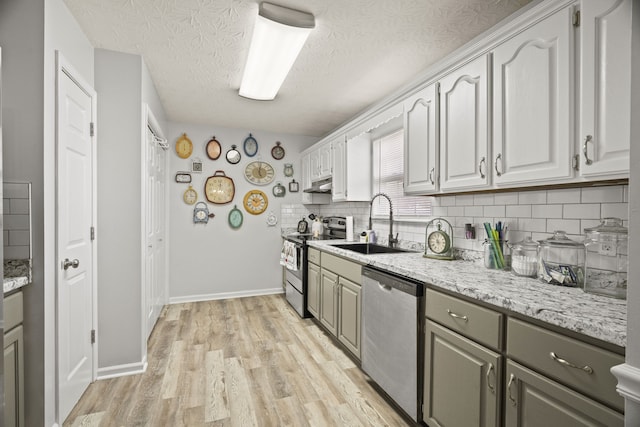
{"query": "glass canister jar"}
[(561, 260), (606, 263), (524, 258)]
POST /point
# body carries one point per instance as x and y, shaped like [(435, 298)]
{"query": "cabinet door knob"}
[(495, 164), (587, 160)]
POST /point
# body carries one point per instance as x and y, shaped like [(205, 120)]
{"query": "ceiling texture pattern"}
[(359, 52)]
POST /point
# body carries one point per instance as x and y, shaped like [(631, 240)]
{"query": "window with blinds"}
[(388, 171)]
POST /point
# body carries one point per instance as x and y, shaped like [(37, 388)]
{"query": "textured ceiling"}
[(360, 52)]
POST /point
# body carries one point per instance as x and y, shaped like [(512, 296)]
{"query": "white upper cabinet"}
[(532, 93), (420, 141), (324, 152), (463, 127), (605, 117), (310, 198), (351, 169)]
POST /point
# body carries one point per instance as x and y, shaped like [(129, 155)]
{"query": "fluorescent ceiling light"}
[(278, 37)]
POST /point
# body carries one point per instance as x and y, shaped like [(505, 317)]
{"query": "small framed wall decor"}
[(213, 148), (294, 186), (183, 177), (196, 165)]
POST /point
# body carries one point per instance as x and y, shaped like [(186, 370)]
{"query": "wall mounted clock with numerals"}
[(259, 173), (219, 188), (190, 196), (213, 148), (255, 202), (277, 152)]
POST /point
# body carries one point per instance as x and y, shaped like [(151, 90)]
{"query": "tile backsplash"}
[(536, 213), (17, 220)]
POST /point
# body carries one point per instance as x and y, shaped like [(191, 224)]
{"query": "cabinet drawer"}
[(313, 256), (533, 346), (342, 267), (478, 323), (12, 311)]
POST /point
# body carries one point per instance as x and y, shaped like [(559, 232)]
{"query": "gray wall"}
[(213, 260), (123, 83), (30, 32)]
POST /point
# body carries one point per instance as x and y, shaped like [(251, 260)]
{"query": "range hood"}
[(323, 186)]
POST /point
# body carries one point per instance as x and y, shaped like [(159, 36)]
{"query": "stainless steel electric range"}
[(296, 278)]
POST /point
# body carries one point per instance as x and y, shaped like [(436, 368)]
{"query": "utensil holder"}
[(496, 254)]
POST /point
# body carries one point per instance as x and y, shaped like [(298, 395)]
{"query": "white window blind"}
[(388, 172)]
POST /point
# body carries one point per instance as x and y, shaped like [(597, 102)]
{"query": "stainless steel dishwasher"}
[(392, 336)]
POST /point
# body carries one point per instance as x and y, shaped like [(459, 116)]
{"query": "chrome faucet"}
[(392, 240)]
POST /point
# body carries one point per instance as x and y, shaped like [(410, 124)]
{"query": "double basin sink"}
[(370, 248)]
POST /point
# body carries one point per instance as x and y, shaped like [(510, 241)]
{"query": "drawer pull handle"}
[(509, 384), (457, 316), (495, 164), (492, 388), (588, 369)]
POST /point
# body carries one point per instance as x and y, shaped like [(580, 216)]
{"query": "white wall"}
[(213, 260), (30, 32)]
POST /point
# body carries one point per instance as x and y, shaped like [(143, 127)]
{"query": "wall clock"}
[(255, 202), (183, 177), (439, 240), (259, 173), (277, 152), (279, 190), (235, 217), (250, 146), (201, 213), (219, 188), (233, 155), (272, 219), (190, 196), (288, 169), (213, 148), (294, 186), (184, 147)]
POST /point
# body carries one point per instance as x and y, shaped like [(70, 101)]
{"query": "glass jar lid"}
[(560, 240), (527, 244), (608, 226)]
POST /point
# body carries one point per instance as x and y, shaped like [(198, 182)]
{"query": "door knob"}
[(66, 263)]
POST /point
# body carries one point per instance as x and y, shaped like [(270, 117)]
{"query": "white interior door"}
[(155, 224), (75, 214)]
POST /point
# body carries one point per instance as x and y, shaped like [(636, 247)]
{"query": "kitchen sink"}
[(370, 248)]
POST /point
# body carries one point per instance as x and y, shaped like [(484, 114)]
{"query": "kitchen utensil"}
[(317, 227), (606, 262), (561, 260)]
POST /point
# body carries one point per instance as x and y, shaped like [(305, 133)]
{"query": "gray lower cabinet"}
[(329, 300), (534, 400), (350, 308), (313, 290), (13, 362), (462, 380)]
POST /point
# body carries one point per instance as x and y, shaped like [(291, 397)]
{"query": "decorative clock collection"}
[(219, 189)]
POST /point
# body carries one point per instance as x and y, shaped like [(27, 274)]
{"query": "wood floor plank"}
[(217, 403), (238, 362)]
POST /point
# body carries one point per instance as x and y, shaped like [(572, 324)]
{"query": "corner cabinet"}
[(464, 142), (420, 142), (605, 115), (13, 361), (351, 163), (532, 104)]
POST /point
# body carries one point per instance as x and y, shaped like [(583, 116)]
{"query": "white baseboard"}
[(122, 370), (225, 295)]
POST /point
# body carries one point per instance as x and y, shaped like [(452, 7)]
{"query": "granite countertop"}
[(596, 316), (17, 273)]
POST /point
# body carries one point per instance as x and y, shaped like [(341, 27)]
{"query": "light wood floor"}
[(238, 362)]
